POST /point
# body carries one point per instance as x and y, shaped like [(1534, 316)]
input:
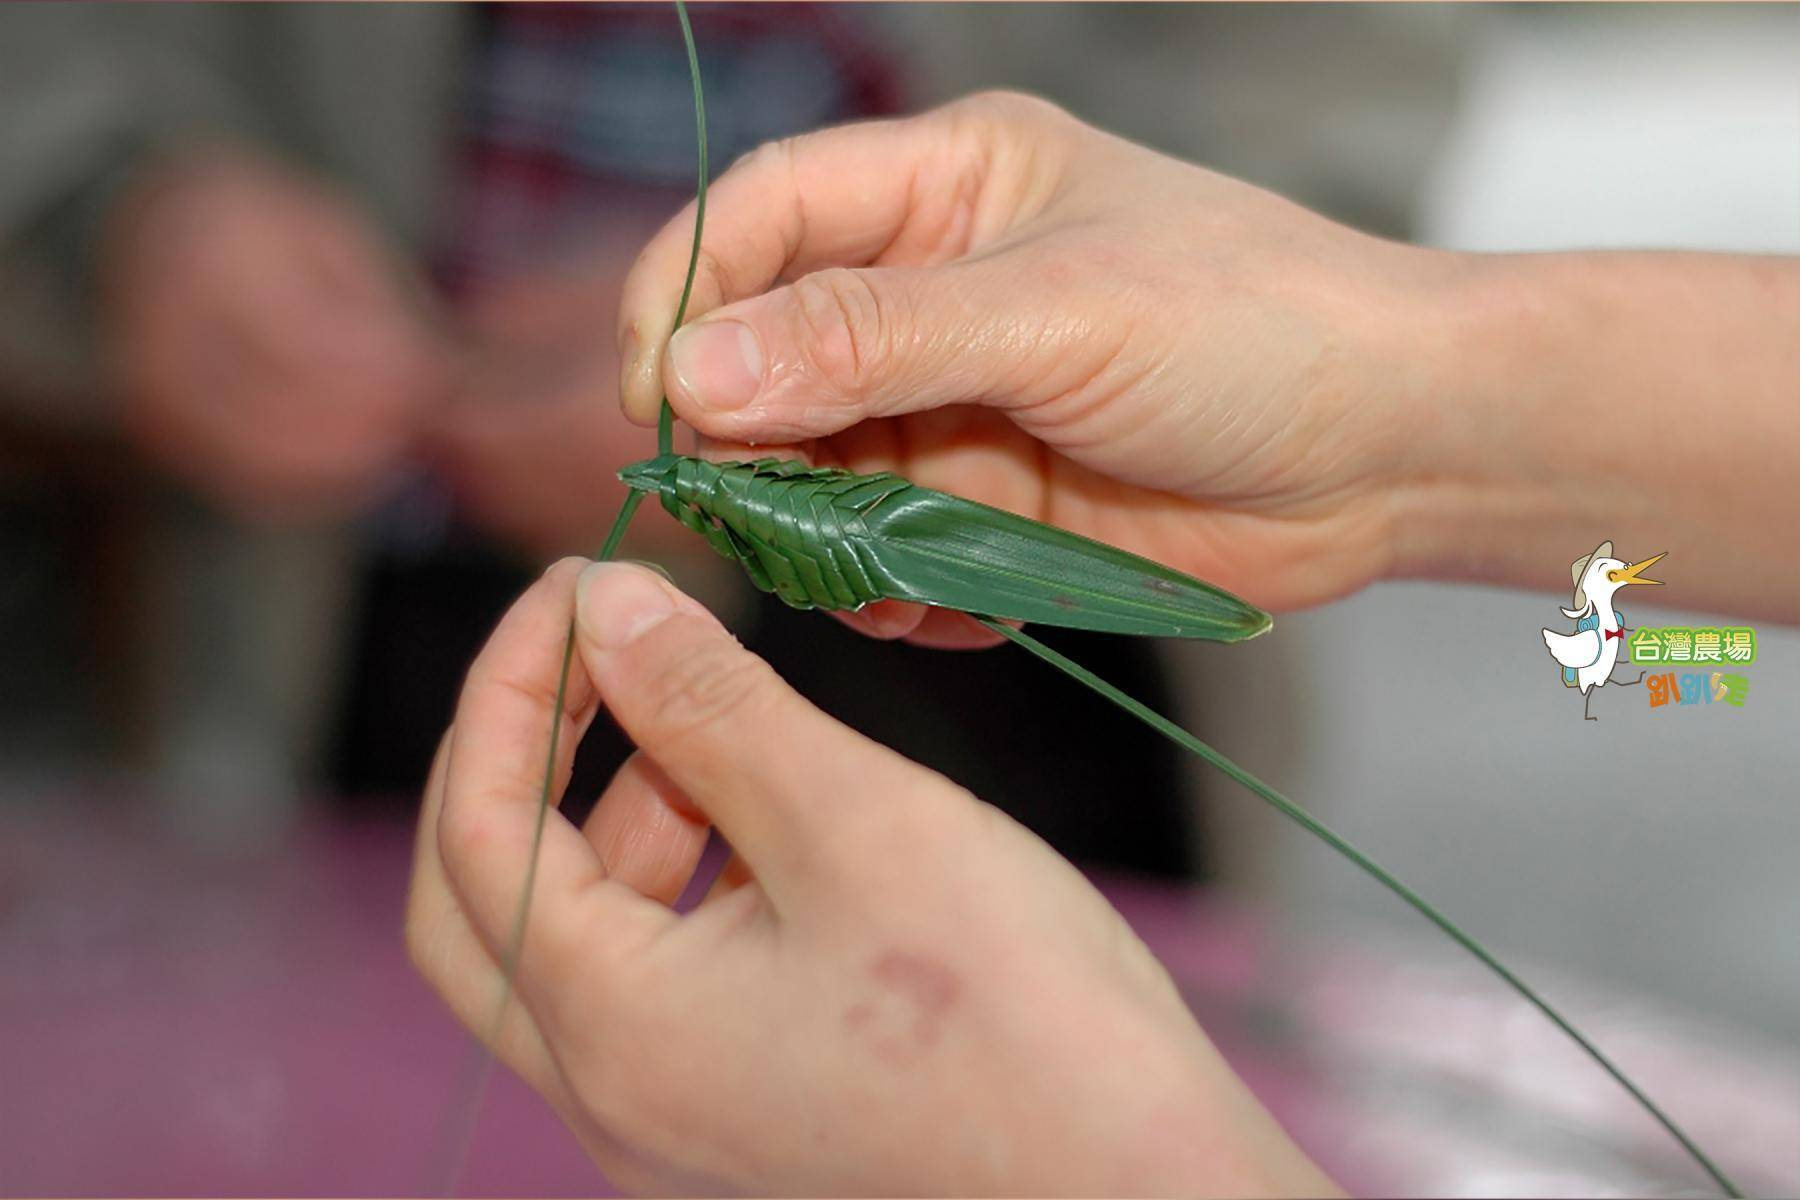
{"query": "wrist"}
[(1498, 458)]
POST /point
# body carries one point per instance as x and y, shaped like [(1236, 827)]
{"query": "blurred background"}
[(306, 367)]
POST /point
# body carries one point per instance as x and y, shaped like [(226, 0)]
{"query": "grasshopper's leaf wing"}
[(934, 548)]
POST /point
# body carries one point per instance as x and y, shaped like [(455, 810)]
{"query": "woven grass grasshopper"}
[(821, 537)]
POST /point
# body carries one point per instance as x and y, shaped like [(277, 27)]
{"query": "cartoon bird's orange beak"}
[(1630, 574)]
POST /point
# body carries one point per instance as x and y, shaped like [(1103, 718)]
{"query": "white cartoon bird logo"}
[(1589, 654)]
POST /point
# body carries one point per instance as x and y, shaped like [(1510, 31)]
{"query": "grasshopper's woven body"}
[(821, 537), (797, 530)]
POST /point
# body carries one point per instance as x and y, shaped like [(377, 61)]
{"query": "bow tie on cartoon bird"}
[(1589, 654)]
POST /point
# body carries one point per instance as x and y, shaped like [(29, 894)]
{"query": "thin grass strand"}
[(665, 417), (462, 1117), (1370, 867)]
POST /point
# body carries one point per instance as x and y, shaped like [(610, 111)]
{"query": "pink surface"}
[(177, 1022)]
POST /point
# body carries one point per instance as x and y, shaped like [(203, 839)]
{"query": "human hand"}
[(528, 440), (266, 352), (1001, 302), (893, 987)]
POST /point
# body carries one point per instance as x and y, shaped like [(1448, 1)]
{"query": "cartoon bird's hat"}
[(1579, 568)]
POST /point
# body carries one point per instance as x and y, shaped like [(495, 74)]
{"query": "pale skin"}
[(897, 989), (272, 351), (1018, 308), (262, 341)]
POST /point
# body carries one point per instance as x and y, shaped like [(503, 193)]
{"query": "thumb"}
[(777, 776), (840, 346)]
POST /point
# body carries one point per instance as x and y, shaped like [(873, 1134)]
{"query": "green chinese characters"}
[(1656, 645)]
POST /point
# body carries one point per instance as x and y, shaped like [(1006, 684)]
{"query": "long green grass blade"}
[(627, 510), (665, 417), (462, 1117), (515, 942), (1370, 867), (935, 548)]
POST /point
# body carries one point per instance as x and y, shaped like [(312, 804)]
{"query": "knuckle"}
[(763, 155), (848, 327), (780, 158), (716, 283), (1003, 106), (464, 837)]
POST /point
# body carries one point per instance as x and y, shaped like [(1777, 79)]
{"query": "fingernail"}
[(647, 565), (615, 603), (719, 364)]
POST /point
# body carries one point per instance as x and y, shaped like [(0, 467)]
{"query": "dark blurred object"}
[(571, 115), (418, 625), (574, 119), (1093, 783), (70, 526)]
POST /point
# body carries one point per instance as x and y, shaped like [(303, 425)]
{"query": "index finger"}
[(784, 782), (488, 826)]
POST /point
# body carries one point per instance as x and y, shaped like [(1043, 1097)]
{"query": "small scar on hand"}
[(909, 1001)]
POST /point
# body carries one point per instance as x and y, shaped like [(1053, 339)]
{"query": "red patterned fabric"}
[(572, 112)]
